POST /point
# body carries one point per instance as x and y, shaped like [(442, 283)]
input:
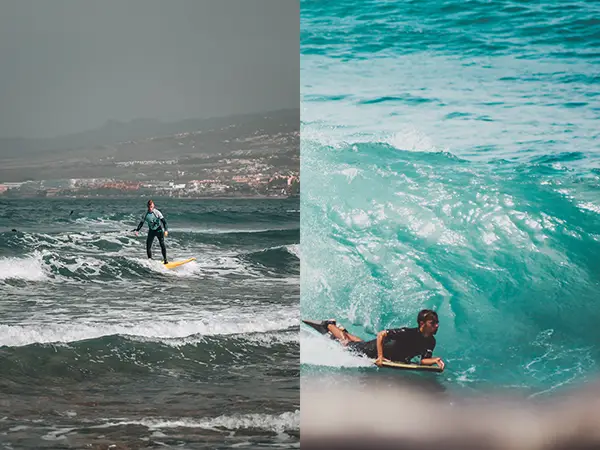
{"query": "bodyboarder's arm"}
[(433, 360), (380, 338)]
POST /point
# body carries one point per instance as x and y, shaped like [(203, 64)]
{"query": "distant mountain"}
[(114, 132)]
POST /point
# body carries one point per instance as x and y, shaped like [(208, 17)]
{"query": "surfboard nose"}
[(174, 264)]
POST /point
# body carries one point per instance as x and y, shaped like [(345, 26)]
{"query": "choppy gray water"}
[(99, 345)]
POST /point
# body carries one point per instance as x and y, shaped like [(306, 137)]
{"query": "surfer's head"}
[(150, 205), (428, 322)]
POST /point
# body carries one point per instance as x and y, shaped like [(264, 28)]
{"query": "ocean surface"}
[(100, 346), (451, 160)]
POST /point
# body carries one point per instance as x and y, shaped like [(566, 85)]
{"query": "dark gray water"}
[(99, 345)]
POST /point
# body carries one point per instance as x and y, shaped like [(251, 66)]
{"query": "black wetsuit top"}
[(400, 344)]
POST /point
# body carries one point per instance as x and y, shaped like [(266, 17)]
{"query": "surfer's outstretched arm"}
[(140, 225)]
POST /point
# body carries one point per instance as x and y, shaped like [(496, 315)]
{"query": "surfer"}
[(397, 344), (157, 227)]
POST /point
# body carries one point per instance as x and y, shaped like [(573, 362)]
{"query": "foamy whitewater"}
[(450, 160), (99, 345)]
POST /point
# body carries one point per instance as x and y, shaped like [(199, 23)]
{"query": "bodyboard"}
[(410, 366)]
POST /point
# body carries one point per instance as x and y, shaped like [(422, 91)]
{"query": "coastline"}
[(162, 197)]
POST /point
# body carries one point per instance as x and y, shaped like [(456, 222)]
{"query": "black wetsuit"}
[(400, 344), (156, 222)]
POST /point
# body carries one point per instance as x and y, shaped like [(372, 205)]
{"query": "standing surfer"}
[(157, 227)]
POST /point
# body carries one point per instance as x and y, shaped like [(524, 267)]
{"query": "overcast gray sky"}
[(71, 65)]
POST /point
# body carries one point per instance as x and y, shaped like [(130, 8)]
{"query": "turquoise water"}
[(450, 160)]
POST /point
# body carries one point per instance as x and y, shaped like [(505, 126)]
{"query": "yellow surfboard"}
[(174, 264)]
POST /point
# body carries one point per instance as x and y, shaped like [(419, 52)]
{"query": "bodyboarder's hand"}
[(380, 360)]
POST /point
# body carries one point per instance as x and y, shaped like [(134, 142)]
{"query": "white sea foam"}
[(211, 325), (320, 351), (287, 421), (29, 268)]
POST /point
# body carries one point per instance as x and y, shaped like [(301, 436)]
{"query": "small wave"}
[(207, 265), (559, 158), (287, 421), (238, 239), (406, 99), (21, 335), (405, 139), (29, 268), (226, 230), (112, 222), (128, 355), (279, 258), (273, 338), (267, 338), (77, 262), (294, 249)]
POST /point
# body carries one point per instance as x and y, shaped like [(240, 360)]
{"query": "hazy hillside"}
[(270, 138)]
